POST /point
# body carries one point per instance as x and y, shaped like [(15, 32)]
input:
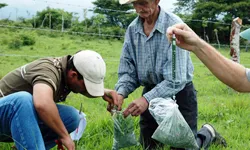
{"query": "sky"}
[(27, 8)]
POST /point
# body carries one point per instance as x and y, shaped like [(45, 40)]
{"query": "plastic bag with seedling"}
[(173, 130), (124, 135)]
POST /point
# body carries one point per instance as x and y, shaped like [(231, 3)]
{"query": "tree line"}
[(211, 19)]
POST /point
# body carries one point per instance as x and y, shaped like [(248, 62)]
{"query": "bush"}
[(22, 24), (41, 33), (5, 41), (22, 39), (15, 43), (116, 32), (5, 37), (53, 34), (27, 39)]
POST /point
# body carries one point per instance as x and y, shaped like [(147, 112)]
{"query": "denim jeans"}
[(187, 101), (20, 123)]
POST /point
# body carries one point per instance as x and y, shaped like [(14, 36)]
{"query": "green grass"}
[(219, 105)]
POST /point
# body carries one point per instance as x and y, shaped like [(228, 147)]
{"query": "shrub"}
[(5, 41), (15, 43), (22, 39), (27, 39), (53, 34)]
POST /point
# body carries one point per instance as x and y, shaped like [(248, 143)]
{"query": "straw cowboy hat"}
[(126, 1)]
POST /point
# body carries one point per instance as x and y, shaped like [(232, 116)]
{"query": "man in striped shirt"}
[(146, 60)]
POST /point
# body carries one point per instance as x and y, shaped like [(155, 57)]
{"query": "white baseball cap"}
[(126, 1), (245, 34), (93, 69)]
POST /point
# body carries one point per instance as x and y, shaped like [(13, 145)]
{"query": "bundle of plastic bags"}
[(123, 131), (173, 130), (77, 134)]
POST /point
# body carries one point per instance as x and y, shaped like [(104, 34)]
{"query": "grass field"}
[(219, 105)]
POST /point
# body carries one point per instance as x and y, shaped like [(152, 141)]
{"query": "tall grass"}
[(219, 105)]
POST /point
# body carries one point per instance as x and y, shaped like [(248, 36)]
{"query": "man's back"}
[(46, 70)]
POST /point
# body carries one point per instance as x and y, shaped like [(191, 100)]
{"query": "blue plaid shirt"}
[(147, 61)]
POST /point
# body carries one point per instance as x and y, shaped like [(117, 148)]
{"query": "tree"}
[(52, 18), (215, 14), (2, 5), (204, 25), (238, 9), (116, 14), (98, 20), (184, 6), (224, 10)]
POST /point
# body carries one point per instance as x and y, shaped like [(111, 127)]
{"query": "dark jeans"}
[(187, 101)]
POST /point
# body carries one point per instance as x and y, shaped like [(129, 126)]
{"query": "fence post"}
[(85, 11), (217, 37), (248, 43), (235, 40), (50, 20), (45, 17), (34, 19), (62, 23)]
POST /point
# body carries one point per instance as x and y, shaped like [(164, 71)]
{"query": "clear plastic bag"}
[(173, 130), (123, 131), (77, 134)]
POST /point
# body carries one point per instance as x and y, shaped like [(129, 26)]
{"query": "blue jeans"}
[(20, 123)]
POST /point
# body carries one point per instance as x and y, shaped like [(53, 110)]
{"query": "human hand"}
[(120, 100), (67, 142), (111, 97), (136, 108), (186, 38)]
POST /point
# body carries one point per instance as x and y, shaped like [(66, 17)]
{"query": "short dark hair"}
[(70, 65)]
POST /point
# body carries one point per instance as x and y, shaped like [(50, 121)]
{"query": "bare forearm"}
[(229, 72), (50, 116), (47, 110)]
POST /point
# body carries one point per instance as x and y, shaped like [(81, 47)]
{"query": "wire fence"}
[(38, 56), (14, 13), (20, 16), (245, 46), (59, 31), (106, 60)]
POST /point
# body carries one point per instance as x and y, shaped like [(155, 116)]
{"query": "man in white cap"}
[(232, 74), (29, 113), (146, 60)]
